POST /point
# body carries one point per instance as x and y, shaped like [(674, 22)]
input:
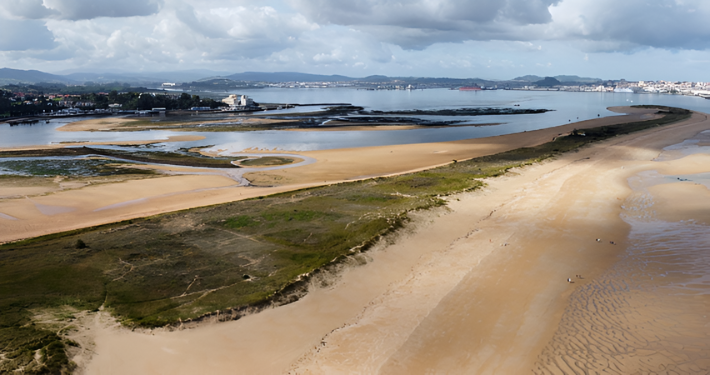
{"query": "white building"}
[(238, 101)]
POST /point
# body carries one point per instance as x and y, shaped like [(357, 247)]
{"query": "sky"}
[(490, 39)]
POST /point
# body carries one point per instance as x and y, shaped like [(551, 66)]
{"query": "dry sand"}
[(150, 197), (480, 288), (344, 164), (97, 124)]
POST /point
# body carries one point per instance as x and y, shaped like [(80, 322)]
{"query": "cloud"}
[(600, 25), (416, 37), (79, 9), (26, 9), (421, 23), (633, 24), (24, 35)]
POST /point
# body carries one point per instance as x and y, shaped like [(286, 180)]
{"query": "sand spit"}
[(478, 288), (97, 124), (365, 127), (332, 166), (133, 124)]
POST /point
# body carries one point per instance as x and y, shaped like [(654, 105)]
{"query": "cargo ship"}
[(469, 88)]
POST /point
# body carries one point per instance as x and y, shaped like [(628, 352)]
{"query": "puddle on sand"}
[(7, 217), (51, 210)]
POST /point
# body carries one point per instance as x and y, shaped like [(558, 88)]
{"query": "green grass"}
[(266, 161), (185, 158), (186, 264)]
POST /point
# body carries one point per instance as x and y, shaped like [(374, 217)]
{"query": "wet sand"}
[(480, 287), (115, 123), (332, 166), (365, 127), (650, 312)]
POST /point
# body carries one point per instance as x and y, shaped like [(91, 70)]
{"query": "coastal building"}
[(231, 100), (238, 102)]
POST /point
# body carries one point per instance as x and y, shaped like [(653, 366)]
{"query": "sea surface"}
[(566, 107)]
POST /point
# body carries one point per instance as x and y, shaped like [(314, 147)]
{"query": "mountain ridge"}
[(15, 76)]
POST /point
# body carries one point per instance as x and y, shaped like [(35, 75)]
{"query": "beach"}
[(478, 287), (542, 271), (100, 203)]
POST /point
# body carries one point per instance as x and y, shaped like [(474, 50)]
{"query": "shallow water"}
[(650, 313), (568, 107)]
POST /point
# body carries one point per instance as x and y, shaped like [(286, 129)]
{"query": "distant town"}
[(32, 93)]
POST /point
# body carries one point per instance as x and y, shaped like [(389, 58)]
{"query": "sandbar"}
[(332, 166), (478, 287)]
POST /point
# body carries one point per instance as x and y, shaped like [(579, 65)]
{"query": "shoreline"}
[(331, 167), (570, 195), (415, 289)]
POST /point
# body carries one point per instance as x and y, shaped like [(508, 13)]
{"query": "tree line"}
[(12, 106), (146, 101)]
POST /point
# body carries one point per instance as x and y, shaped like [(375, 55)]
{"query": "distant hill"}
[(527, 78), (304, 77), (287, 77), (548, 82), (14, 76), (561, 78), (73, 77), (140, 77)]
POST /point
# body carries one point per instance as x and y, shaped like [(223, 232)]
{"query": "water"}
[(568, 107), (650, 313)]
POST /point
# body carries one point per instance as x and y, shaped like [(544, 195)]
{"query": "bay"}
[(567, 107)]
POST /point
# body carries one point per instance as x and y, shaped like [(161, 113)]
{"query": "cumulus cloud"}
[(671, 24), (329, 35), (420, 23), (417, 24), (24, 35), (79, 9)]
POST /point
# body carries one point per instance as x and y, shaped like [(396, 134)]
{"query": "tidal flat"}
[(184, 265)]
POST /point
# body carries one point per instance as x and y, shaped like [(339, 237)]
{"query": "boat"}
[(469, 88), (623, 89)]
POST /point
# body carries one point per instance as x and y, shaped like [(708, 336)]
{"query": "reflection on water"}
[(568, 107)]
